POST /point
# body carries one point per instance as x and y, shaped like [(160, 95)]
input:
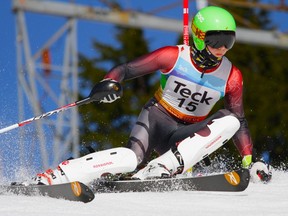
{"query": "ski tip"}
[(234, 178), (82, 191), (239, 179), (73, 191)]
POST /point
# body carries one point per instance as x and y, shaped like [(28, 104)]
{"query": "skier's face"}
[(218, 52)]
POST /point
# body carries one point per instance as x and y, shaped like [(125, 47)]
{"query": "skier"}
[(175, 121)]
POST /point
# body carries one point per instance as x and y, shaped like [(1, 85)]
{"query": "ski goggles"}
[(217, 39)]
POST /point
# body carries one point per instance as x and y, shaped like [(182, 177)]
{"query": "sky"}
[(41, 27), (257, 200)]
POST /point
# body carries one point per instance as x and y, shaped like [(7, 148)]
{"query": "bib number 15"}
[(190, 106)]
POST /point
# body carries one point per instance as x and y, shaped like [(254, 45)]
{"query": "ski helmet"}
[(213, 26)]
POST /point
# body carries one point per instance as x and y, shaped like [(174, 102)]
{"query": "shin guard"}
[(193, 149), (92, 166)]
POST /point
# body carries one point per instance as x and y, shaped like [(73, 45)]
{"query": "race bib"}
[(189, 98)]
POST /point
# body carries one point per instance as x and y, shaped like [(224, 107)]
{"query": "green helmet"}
[(210, 18)]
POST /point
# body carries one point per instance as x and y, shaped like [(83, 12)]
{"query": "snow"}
[(257, 199)]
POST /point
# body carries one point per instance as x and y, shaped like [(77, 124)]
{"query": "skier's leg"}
[(127, 158), (90, 167), (151, 131), (192, 149)]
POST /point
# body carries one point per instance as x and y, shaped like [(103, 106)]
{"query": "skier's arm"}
[(161, 59), (259, 171), (109, 89), (234, 103)]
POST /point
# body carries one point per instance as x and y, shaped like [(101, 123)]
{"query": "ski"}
[(234, 181), (74, 191)]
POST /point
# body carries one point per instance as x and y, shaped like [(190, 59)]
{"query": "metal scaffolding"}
[(31, 82)]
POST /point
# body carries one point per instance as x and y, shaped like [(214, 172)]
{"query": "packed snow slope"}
[(258, 199)]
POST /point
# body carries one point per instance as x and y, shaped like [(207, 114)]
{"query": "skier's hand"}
[(107, 91), (246, 161), (260, 172)]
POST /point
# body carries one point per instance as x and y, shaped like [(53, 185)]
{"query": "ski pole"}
[(186, 22), (44, 115), (100, 91)]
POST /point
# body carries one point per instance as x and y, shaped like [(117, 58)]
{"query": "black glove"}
[(260, 172), (106, 91)]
